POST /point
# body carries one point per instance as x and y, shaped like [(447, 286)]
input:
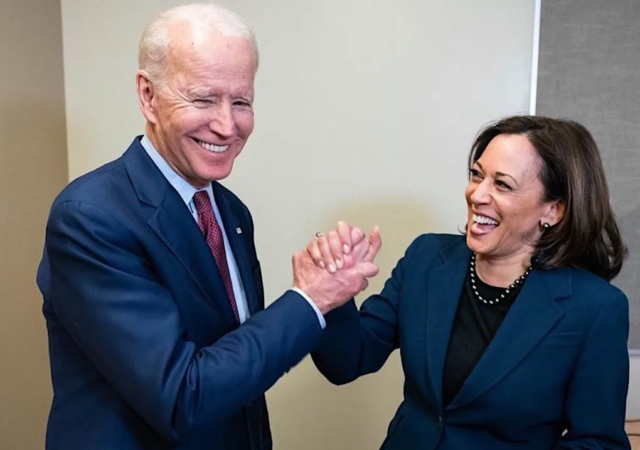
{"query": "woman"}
[(511, 336)]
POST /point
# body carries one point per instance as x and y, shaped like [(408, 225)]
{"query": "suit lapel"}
[(531, 317), (171, 220), (445, 285), (238, 246), (176, 228)]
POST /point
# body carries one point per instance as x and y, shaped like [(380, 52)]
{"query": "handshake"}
[(336, 266)]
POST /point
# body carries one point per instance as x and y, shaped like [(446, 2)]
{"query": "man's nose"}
[(222, 122)]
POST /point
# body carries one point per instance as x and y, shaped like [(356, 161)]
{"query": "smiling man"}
[(153, 296)]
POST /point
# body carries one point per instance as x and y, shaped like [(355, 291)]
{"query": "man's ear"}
[(555, 212), (147, 96)]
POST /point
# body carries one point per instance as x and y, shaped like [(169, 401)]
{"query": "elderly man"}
[(153, 296)]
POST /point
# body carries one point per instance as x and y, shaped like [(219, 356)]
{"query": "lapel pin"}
[(239, 230)]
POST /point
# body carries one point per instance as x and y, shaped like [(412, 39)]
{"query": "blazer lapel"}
[(180, 233), (171, 220), (445, 286), (531, 317), (238, 246)]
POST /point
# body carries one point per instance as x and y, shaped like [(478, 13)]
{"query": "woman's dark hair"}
[(587, 236)]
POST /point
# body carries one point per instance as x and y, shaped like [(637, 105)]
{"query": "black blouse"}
[(474, 327)]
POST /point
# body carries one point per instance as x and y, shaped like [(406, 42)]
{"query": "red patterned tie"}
[(213, 235)]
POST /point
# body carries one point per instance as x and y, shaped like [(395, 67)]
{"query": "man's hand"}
[(332, 287)]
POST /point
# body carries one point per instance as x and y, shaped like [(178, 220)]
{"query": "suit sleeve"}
[(356, 343), (597, 391), (105, 293)]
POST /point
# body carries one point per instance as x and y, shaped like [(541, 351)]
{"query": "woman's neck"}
[(502, 271)]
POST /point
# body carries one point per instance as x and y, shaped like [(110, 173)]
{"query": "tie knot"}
[(202, 201)]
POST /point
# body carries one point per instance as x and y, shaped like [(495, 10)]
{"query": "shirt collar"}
[(182, 186)]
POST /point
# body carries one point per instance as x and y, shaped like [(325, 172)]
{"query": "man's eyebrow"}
[(200, 91)]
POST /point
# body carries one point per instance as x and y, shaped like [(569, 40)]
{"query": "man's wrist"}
[(319, 312)]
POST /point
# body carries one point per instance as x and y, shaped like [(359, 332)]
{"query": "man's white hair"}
[(155, 42)]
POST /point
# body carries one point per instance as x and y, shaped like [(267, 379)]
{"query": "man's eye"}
[(503, 185)]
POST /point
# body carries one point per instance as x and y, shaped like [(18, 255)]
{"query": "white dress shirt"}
[(186, 192)]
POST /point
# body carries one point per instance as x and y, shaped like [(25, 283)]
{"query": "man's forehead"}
[(201, 38), (201, 77), (211, 47)]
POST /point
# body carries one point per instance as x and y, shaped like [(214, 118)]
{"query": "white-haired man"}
[(152, 289)]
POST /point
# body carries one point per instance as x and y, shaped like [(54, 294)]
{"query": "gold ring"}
[(319, 234)]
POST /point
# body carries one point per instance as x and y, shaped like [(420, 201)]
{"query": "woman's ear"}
[(554, 212)]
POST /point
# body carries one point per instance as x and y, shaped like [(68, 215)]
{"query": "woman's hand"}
[(344, 246)]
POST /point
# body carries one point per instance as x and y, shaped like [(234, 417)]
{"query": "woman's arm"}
[(597, 391), (355, 342)]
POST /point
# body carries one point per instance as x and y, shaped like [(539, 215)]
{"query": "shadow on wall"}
[(33, 159), (306, 410), (33, 169)]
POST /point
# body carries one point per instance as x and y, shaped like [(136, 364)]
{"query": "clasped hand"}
[(336, 266)]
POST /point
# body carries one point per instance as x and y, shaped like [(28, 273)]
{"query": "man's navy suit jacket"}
[(145, 352)]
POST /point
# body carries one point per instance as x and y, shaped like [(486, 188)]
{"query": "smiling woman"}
[(523, 339), (506, 201), (543, 181)]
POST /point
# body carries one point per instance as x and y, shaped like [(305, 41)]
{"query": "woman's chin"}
[(479, 243)]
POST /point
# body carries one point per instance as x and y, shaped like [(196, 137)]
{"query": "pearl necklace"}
[(511, 287)]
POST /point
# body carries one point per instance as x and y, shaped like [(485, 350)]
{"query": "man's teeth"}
[(213, 148), (484, 220)]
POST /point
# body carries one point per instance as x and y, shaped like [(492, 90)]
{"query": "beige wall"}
[(33, 168), (365, 111)]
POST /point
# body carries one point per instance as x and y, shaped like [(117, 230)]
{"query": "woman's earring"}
[(544, 226)]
